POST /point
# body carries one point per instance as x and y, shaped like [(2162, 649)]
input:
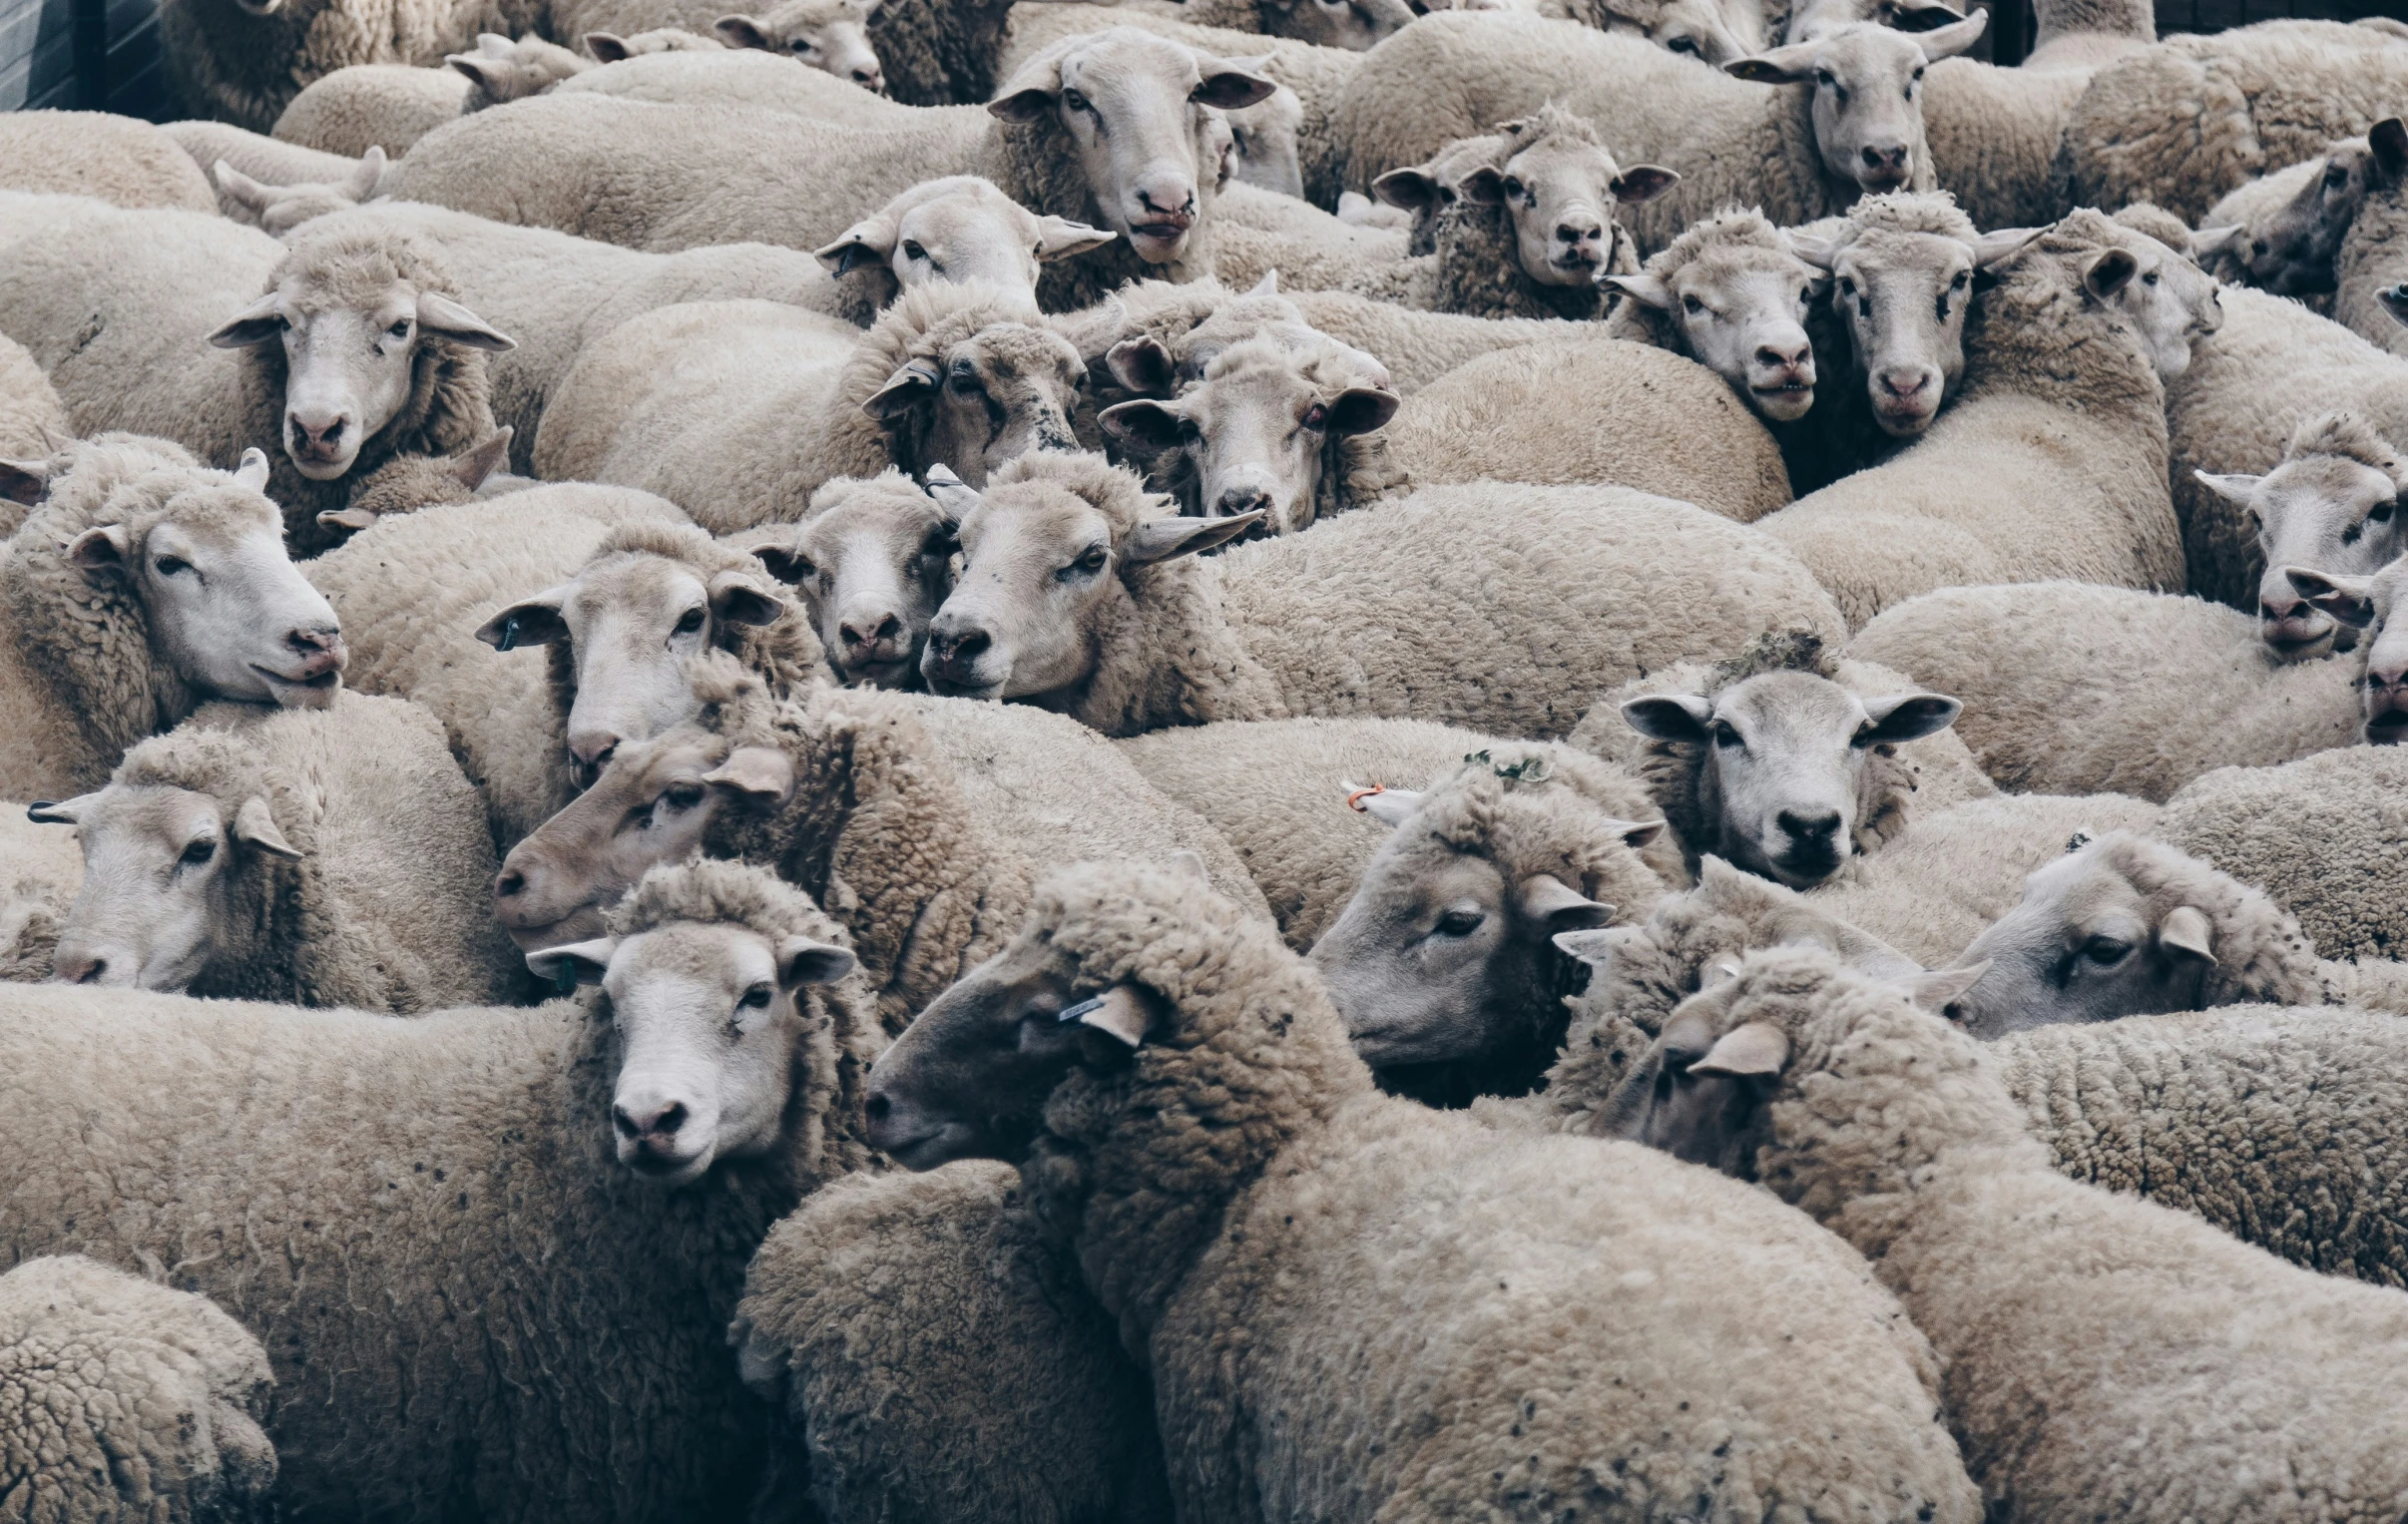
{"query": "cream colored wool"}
[(121, 160), (932, 52), (228, 60), (387, 106), (1994, 132), (32, 421), (2068, 686), (750, 77), (121, 1398), (40, 869), (2051, 462), (1420, 347), (267, 160)]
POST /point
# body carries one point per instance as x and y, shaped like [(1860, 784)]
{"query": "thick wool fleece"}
[(124, 160), (546, 1333), (932, 52), (32, 421), (2374, 258), (2184, 123), (1363, 615), (2069, 1320), (364, 106), (388, 907), (1675, 429), (41, 868), (226, 61), (119, 1399), (1736, 144), (2072, 688), (1994, 132), (935, 1357), (1899, 782), (1312, 1270), (411, 593), (2050, 462), (80, 678), (2272, 366), (2262, 955)]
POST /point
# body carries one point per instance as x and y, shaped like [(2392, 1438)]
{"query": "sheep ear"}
[(101, 548), (1637, 833), (1922, 18), (574, 962), (2236, 490), (1030, 94), (2207, 242), (256, 828), (364, 181), (1485, 186), (742, 32), (1189, 865), (480, 460), (2347, 599), (1390, 807), (24, 481), (1780, 66), (801, 961), (252, 470), (1120, 1013), (951, 494), (1937, 989), (787, 562), (345, 518), (2186, 930), (1950, 40), (60, 811), (242, 188), (2108, 272), (1142, 366), (482, 71), (494, 45), (438, 314), (1269, 286), (536, 622), (1360, 410), (1147, 423), (1168, 539), (1410, 189), (1647, 291), (2389, 139), (1669, 717), (607, 47), (1990, 248), (739, 600), (256, 323), (1229, 84), (1558, 906), (763, 775), (1910, 716), (1811, 249), (1593, 945), (1757, 1050), (906, 389), (871, 240), (1644, 183), (1058, 237)]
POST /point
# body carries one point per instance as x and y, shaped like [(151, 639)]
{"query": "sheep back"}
[(1994, 132), (121, 160), (387, 106), (1419, 347)]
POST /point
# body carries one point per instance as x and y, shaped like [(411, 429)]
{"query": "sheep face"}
[(1355, 25), (710, 1031), (1697, 28), (1138, 113), (1781, 772), (874, 562), (2339, 515), (2370, 603), (1006, 390), (1820, 18), (2170, 302), (2292, 254), (960, 230), (228, 609), (351, 357), (1902, 297), (1255, 435), (1868, 95), (1741, 312), (1427, 190), (1265, 139), (829, 35), (160, 867), (1559, 194), (503, 71), (2088, 942), (1043, 570)]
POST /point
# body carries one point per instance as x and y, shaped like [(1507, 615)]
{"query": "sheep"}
[(2065, 1318), (2066, 685), (1267, 136), (2367, 603), (1797, 151), (933, 1355), (2186, 122), (1718, 32), (243, 62), (31, 424), (2288, 226), (555, 1206), (1133, 644), (1259, 233), (330, 856), (2055, 372), (407, 483), (831, 36), (872, 563), (141, 586), (1353, 25), (674, 177), (744, 76), (930, 51), (2331, 503), (126, 1398), (1783, 760), (611, 48), (270, 165), (276, 209), (1182, 1007), (356, 351), (1809, 19), (2369, 261), (959, 228), (44, 870), (1425, 190), (392, 105), (924, 386), (120, 159), (1442, 963)]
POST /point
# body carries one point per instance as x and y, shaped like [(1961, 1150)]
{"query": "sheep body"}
[(364, 106), (120, 159), (1993, 133), (236, 64), (33, 422), (44, 869), (269, 161), (748, 77), (932, 52)]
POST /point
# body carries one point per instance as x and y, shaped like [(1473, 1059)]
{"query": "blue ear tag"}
[(509, 639), (1074, 1012)]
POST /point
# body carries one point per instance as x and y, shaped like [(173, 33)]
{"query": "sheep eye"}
[(2105, 951), (1682, 45), (801, 45), (1076, 101), (689, 622), (2149, 280), (1725, 736), (913, 251), (684, 796), (400, 330), (1823, 78), (197, 852), (1691, 305), (756, 998), (1315, 416), (169, 565), (1459, 922), (1847, 286), (2336, 177), (1089, 561), (2380, 513), (1963, 277)]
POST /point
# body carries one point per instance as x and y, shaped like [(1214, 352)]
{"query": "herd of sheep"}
[(1232, 760)]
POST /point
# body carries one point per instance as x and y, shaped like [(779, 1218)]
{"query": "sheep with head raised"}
[(611, 48), (556, 1204), (1181, 1008), (330, 856), (829, 35), (2290, 223), (1080, 592), (1730, 295)]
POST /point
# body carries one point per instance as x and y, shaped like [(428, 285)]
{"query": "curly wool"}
[(44, 867), (229, 62), (2374, 258), (921, 323), (2261, 956)]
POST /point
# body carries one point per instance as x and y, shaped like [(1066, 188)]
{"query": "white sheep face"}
[(990, 398), (2170, 302), (1903, 297), (2370, 604), (1355, 25), (1742, 313), (1264, 137), (1559, 194), (652, 805), (960, 230), (2337, 514), (2084, 945), (1868, 95), (829, 35), (873, 567), (1697, 28), (159, 866)]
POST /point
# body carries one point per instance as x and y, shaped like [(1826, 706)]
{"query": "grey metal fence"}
[(90, 55)]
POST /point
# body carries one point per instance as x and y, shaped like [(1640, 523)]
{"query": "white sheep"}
[(392, 105), (1146, 635), (141, 586), (872, 560), (531, 1289), (120, 159), (243, 61), (263, 161), (129, 1398), (611, 48), (33, 422), (276, 209), (330, 856), (831, 36), (1438, 1263), (2369, 261), (2282, 231), (930, 51), (746, 76), (2331, 504)]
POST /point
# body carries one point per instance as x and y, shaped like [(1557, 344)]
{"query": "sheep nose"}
[(876, 1109), (1775, 357), (78, 967), (592, 749), (320, 432), (861, 633), (1886, 161), (955, 652), (2276, 614), (1578, 233), (1237, 501), (1816, 829), (870, 80), (660, 1121), (510, 885), (1904, 384), (2387, 675)]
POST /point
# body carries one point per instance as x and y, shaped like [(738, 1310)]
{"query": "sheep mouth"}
[(1158, 241), (666, 1169), (954, 688), (313, 692), (2387, 728), (2293, 646), (882, 671)]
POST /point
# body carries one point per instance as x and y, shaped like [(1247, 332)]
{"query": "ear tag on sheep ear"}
[(1117, 1013), (2076, 842), (1757, 1050), (2186, 930)]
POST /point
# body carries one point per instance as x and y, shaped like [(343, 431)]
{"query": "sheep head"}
[(1867, 106)]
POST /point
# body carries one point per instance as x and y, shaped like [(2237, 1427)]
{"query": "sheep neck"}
[(1167, 653)]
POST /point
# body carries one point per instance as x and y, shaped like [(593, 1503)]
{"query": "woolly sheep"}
[(2085, 35), (407, 483), (1731, 294), (1182, 1006), (125, 1398), (1352, 25), (1794, 151), (243, 62), (357, 350), (2331, 504), (2072, 688), (1809, 19), (549, 1329), (1425, 190), (674, 177), (1151, 639), (872, 561), (2049, 360), (1260, 232), (830, 36), (934, 1357), (2369, 261), (263, 161), (330, 856), (2367, 605), (141, 586), (923, 388), (1994, 132), (2287, 227), (742, 76), (1419, 347), (364, 106), (611, 48), (2062, 1317), (1714, 31), (2187, 121), (1267, 139), (121, 160), (931, 52)]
